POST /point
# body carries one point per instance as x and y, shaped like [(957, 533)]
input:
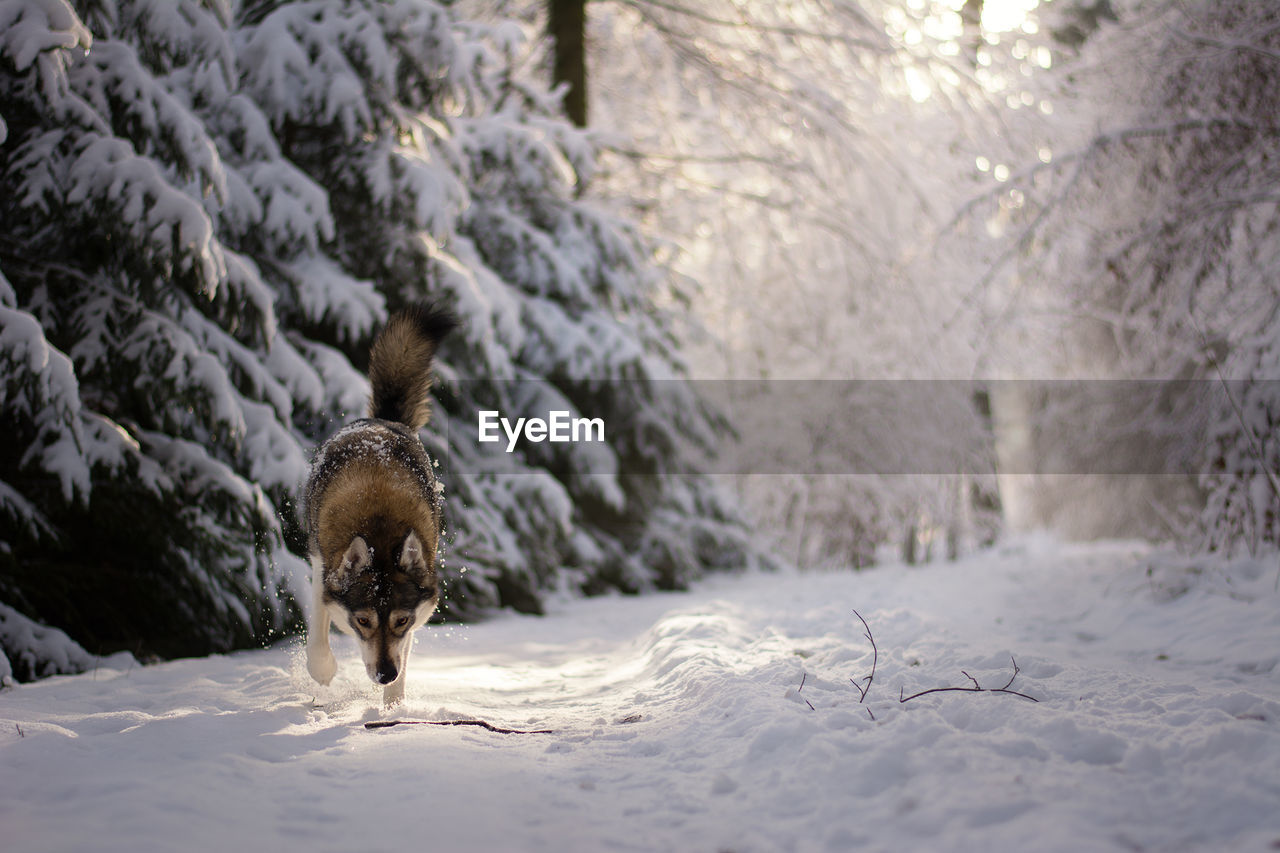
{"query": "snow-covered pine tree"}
[(145, 432), (206, 209)]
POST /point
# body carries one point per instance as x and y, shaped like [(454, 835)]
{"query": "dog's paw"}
[(322, 665)]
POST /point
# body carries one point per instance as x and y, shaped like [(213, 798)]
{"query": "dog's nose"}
[(386, 672)]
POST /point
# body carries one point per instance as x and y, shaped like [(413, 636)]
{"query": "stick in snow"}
[(875, 657), (385, 724), (803, 676), (976, 688)]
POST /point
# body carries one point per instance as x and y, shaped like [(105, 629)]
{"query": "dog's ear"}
[(413, 559), (354, 561)]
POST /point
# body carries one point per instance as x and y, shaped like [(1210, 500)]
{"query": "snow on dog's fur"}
[(374, 512)]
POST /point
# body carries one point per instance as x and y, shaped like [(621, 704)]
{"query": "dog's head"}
[(380, 591)]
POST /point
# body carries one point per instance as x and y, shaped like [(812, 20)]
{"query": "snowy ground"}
[(679, 724)]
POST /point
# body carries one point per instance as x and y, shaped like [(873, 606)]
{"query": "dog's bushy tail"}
[(400, 364)]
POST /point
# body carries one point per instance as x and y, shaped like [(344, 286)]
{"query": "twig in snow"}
[(976, 688), (386, 724), (803, 676), (1016, 670), (21, 733), (875, 658)]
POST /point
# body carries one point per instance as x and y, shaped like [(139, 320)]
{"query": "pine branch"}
[(976, 688)]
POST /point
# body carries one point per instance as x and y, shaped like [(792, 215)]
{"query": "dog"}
[(374, 512)]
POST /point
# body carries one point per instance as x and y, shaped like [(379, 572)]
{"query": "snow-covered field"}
[(680, 723)]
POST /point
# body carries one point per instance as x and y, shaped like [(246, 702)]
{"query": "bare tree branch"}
[(1096, 145), (1210, 41), (976, 688), (756, 26)]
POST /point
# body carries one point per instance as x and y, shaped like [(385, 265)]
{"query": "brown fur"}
[(400, 365), (379, 502)]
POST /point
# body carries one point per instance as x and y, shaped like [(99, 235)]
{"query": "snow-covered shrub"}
[(1242, 474), (206, 210), (29, 650), (1138, 240)]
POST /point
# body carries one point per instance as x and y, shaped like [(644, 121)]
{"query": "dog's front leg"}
[(393, 693), (321, 663)]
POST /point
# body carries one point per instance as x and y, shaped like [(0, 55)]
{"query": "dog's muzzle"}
[(385, 673)]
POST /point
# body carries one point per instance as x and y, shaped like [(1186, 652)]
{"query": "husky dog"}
[(374, 512)]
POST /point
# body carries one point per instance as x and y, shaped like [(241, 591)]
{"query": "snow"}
[(173, 227), (35, 650), (680, 722), (296, 209), (32, 28), (43, 386), (326, 293)]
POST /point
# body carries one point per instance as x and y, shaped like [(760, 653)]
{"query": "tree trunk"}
[(971, 19), (567, 26)]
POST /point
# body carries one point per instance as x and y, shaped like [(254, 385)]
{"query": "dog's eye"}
[(362, 621), (402, 621)]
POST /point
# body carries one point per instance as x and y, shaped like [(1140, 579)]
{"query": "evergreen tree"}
[(206, 210)]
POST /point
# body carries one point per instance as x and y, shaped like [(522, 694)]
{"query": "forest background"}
[(840, 276)]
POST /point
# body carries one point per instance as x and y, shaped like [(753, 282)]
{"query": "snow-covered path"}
[(679, 724)]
